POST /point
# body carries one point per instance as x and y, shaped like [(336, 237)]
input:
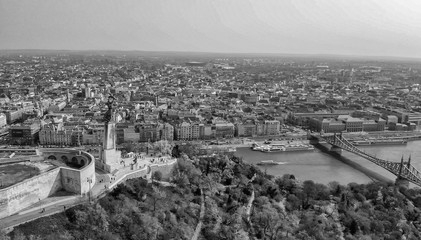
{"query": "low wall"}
[(165, 168), (28, 192), (138, 174)]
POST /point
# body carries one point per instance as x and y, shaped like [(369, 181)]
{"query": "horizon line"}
[(220, 53)]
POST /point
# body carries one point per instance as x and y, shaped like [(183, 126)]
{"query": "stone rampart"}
[(79, 180), (75, 180), (28, 192)]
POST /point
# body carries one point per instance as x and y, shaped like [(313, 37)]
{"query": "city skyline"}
[(365, 28)]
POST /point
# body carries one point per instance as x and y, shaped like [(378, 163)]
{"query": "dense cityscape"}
[(57, 99), (210, 120), (86, 135)]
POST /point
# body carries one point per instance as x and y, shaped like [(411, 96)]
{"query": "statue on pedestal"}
[(109, 115), (110, 157)]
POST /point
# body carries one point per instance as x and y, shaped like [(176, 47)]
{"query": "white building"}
[(3, 120)]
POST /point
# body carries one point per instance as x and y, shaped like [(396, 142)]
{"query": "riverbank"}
[(386, 135), (369, 173)]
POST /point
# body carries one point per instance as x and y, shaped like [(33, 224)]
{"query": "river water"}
[(322, 167)]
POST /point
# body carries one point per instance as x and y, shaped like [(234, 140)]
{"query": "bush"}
[(157, 175)]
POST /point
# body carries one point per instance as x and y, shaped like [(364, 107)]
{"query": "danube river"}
[(322, 167)]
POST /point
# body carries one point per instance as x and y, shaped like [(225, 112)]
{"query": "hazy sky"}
[(358, 27)]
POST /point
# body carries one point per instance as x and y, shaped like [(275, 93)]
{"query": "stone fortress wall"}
[(30, 191), (75, 180), (79, 181)]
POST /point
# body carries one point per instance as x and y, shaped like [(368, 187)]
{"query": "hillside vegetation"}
[(238, 201)]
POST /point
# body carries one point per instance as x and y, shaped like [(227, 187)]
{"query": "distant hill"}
[(205, 54)]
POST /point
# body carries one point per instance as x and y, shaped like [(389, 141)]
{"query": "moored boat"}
[(269, 162), (273, 149), (298, 147), (286, 148), (257, 148)]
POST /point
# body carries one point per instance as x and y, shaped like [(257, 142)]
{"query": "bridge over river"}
[(404, 171)]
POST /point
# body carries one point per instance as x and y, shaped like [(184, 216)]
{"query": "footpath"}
[(45, 207), (198, 229)]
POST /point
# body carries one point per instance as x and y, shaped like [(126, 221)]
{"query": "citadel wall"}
[(28, 192)]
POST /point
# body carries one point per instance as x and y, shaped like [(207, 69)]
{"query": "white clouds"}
[(371, 27)]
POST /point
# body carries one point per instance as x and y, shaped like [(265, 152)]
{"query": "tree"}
[(309, 188), (353, 228), (211, 217), (293, 202), (190, 149), (157, 195), (3, 235), (18, 235), (185, 173), (150, 228), (83, 216), (175, 153), (129, 147), (163, 147), (335, 188), (208, 183), (268, 221), (287, 183), (157, 175), (100, 217)]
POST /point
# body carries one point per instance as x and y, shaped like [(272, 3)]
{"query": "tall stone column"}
[(110, 156), (109, 135)]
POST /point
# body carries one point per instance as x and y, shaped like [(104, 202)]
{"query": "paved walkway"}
[(42, 210), (249, 205)]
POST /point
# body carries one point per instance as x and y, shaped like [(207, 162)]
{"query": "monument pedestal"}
[(110, 157)]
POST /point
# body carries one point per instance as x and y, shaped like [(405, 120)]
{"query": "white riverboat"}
[(269, 162)]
